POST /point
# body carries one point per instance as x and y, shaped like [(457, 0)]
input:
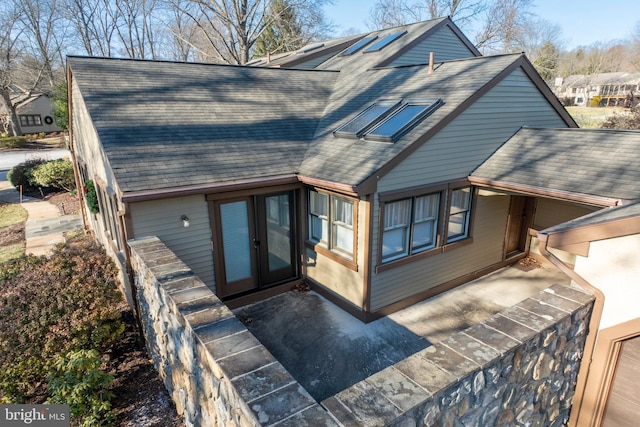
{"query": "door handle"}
[(256, 243)]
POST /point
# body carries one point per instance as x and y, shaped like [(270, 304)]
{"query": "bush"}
[(12, 141), (22, 174), (78, 382), (50, 306), (54, 173), (630, 120), (91, 197)]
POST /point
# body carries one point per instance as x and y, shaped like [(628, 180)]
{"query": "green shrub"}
[(12, 141), (77, 381), (91, 197), (55, 173), (22, 174), (50, 306)]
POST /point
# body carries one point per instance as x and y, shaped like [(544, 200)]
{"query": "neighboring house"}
[(34, 111), (374, 175), (614, 89)]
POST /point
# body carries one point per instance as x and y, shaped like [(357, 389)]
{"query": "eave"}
[(587, 199)]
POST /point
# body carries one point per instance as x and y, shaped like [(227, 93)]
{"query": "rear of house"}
[(352, 176)]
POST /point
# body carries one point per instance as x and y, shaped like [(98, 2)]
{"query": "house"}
[(613, 89), (33, 109), (378, 173)]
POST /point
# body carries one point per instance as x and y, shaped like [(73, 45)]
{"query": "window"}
[(410, 226), (355, 127), (331, 222), (424, 221), (387, 120), (357, 45), (459, 214), (383, 42), (30, 120), (402, 120)]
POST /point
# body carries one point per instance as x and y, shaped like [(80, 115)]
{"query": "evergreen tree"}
[(283, 32)]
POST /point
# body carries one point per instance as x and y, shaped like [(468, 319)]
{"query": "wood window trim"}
[(333, 255), (442, 246)]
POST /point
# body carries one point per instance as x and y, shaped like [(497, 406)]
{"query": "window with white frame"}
[(459, 214), (410, 226), (331, 222)]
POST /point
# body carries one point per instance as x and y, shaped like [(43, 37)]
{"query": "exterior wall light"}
[(185, 220)]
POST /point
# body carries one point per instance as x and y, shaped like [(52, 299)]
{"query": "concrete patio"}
[(327, 350)]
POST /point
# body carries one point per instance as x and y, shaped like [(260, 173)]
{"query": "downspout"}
[(594, 323)]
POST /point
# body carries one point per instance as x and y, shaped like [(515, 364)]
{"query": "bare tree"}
[(392, 13), (94, 25), (43, 33), (230, 28), (502, 26), (8, 47), (137, 29)]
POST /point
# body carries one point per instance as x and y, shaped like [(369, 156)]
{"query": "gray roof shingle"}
[(165, 124), (602, 162)]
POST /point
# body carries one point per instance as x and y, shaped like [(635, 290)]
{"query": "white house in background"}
[(614, 89)]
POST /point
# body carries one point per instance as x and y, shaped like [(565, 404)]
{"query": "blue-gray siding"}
[(444, 44), (453, 154)]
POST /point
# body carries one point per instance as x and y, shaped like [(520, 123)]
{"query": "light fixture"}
[(185, 220)]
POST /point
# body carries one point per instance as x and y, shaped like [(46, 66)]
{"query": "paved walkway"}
[(45, 225)]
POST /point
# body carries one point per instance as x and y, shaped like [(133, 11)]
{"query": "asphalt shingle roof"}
[(165, 124), (600, 162), (351, 161)]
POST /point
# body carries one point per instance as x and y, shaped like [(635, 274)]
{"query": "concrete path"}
[(45, 226)]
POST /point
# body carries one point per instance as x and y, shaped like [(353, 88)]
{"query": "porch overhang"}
[(530, 190)]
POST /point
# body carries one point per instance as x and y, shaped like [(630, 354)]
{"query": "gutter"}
[(594, 323)]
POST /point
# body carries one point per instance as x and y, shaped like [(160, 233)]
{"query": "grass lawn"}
[(593, 117), (12, 242)]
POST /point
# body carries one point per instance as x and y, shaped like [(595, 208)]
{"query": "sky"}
[(583, 22)]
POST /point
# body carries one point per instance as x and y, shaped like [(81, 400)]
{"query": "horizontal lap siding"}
[(550, 212), (342, 280), (444, 44), (453, 154), (488, 239), (192, 244)]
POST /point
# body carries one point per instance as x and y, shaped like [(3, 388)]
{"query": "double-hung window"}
[(459, 214), (331, 222), (410, 226)]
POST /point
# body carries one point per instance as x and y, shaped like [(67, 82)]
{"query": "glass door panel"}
[(236, 229), (276, 237)]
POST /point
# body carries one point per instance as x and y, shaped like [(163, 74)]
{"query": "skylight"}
[(383, 42), (409, 114), (309, 48), (358, 45), (355, 127)]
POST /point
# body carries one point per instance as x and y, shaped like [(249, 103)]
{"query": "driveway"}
[(9, 159)]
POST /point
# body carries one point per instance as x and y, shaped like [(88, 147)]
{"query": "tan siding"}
[(347, 283), (161, 218), (469, 139), (444, 44), (487, 248), (550, 212)]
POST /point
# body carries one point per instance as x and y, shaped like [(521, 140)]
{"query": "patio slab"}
[(327, 350)]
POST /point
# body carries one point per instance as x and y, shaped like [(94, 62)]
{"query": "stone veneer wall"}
[(517, 368)]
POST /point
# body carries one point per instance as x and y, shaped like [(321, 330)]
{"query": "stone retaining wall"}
[(518, 367)]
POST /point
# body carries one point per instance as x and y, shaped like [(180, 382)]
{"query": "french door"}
[(256, 246)]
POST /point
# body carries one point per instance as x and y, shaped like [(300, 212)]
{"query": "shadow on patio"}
[(327, 350)]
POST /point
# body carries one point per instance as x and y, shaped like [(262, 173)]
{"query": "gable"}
[(444, 43)]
